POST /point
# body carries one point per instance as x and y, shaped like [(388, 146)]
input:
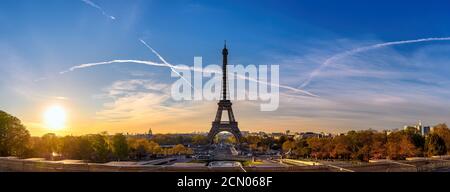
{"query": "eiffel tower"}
[(224, 105)]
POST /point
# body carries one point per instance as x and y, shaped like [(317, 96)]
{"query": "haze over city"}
[(364, 65)]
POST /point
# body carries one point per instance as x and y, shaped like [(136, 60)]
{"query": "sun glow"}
[(55, 117)]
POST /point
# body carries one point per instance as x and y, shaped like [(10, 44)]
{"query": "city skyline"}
[(367, 70)]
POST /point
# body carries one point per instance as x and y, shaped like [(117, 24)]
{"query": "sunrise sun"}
[(55, 117)]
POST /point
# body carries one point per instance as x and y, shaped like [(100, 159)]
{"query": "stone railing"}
[(41, 165)]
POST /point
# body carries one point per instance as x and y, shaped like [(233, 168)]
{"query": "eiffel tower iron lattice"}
[(224, 104)]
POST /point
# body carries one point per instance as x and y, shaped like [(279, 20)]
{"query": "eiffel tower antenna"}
[(224, 71)]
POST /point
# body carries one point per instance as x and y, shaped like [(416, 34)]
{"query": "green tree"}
[(51, 144), (14, 137), (70, 147), (45, 146), (86, 150), (416, 138), (435, 145), (100, 147), (120, 146)]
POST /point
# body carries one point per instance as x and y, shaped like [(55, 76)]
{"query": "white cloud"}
[(133, 99)]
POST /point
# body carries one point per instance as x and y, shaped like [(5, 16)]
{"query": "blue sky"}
[(382, 88)]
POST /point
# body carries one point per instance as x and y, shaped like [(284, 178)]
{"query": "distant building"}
[(423, 130), (288, 132), (277, 135), (147, 135), (388, 132), (150, 132), (262, 134), (307, 135)]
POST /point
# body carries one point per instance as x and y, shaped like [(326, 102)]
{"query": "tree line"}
[(101, 147), (371, 144), (15, 140)]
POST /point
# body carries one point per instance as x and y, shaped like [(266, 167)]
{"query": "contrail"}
[(154, 51), (165, 62), (150, 63), (112, 62), (352, 52), (92, 4)]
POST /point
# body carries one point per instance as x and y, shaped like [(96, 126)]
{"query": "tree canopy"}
[(120, 146), (14, 137)]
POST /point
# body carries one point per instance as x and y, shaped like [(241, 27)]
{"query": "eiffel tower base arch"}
[(230, 126), (218, 127)]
